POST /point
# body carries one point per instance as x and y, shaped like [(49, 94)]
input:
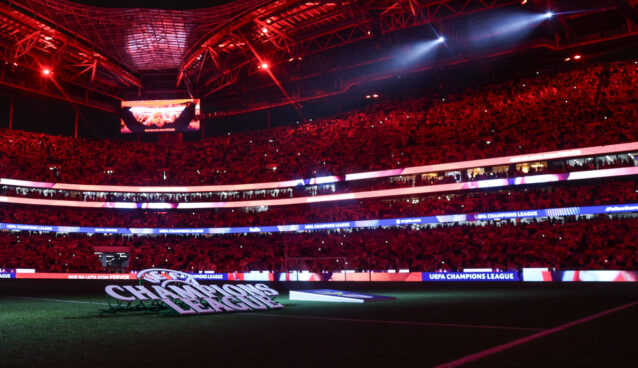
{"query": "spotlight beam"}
[(509, 26), (422, 49)]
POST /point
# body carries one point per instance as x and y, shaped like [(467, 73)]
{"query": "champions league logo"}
[(163, 277), (183, 294)]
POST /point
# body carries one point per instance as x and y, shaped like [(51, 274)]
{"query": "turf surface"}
[(45, 324)]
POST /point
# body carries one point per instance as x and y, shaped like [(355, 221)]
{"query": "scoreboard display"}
[(152, 116)]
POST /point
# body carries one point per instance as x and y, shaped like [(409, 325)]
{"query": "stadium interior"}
[(320, 140)]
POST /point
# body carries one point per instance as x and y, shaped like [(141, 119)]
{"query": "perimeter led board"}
[(160, 116)]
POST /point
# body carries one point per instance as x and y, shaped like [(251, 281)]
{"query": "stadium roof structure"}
[(101, 53)]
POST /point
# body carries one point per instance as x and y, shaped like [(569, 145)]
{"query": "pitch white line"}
[(51, 300), (511, 344), (415, 323)]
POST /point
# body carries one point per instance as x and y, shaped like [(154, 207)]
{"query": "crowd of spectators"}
[(509, 199), (601, 243), (571, 243), (546, 112), (402, 181), (45, 252)]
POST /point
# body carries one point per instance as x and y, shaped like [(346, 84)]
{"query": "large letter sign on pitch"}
[(182, 293)]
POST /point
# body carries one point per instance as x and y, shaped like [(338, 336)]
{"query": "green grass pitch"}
[(45, 324)]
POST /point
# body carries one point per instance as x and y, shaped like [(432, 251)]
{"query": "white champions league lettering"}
[(182, 293)]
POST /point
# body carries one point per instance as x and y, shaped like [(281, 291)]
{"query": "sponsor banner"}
[(470, 276), (377, 276), (258, 276), (303, 276), (506, 215), (540, 275), (181, 231), (599, 276), (527, 275), (7, 275), (536, 274), (622, 208), (488, 216), (210, 276), (75, 276)]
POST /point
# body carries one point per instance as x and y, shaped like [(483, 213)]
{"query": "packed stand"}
[(600, 192), (570, 243), (601, 243), (545, 112), (46, 252), (608, 161)]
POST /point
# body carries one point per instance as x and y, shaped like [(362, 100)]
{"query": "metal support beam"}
[(311, 36), (37, 35), (11, 102), (77, 118), (41, 92)]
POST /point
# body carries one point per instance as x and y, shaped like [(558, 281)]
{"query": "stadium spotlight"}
[(441, 39), (46, 71), (577, 57), (264, 65), (549, 14)]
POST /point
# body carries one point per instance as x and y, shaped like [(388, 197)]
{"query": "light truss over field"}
[(108, 50)]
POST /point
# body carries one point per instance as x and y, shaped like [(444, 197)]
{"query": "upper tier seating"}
[(542, 113)]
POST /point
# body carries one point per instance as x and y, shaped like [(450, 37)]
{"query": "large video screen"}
[(160, 116)]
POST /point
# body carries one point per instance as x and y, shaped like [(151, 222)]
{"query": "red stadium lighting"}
[(264, 30), (264, 65), (577, 57), (46, 71)]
